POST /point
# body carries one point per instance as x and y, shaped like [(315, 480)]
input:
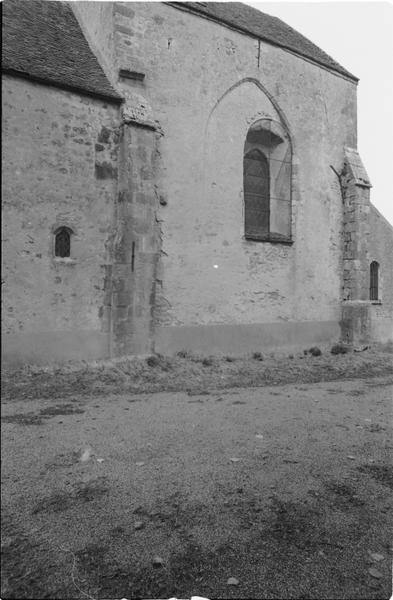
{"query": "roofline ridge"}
[(193, 9), (62, 86)]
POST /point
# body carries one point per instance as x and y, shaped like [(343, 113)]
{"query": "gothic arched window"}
[(374, 272), (63, 242), (256, 185), (267, 174)]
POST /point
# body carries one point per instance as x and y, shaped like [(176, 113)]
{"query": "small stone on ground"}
[(375, 573), (377, 557)]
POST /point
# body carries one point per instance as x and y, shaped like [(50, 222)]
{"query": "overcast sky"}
[(358, 35)]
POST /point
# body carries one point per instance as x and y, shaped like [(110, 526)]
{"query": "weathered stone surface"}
[(153, 194), (53, 308), (367, 238), (381, 250), (205, 99)]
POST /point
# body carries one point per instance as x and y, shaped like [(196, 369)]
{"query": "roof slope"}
[(42, 40), (265, 27)]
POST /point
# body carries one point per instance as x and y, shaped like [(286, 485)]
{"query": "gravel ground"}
[(285, 487)]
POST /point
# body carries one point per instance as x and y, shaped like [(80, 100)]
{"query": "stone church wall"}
[(153, 195), (60, 154), (367, 307), (381, 251), (206, 84)]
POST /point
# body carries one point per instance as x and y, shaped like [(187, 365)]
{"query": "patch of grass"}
[(152, 361), (382, 473), (315, 351), (56, 502), (22, 419), (356, 393), (37, 419), (157, 360), (375, 428), (185, 354), (376, 384), (339, 349), (91, 490), (290, 523), (345, 495), (29, 569), (61, 500), (192, 564), (159, 373), (117, 531), (208, 361), (64, 460), (92, 557), (62, 409), (271, 545)]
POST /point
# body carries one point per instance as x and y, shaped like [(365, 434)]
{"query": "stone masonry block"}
[(122, 299)]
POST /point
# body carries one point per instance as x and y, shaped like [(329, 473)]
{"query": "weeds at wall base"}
[(191, 372)]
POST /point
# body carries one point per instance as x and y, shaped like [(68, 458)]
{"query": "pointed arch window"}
[(374, 276), (63, 242), (256, 184), (267, 174)]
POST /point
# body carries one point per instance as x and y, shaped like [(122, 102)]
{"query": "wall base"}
[(241, 339), (50, 347), (381, 330), (356, 322)]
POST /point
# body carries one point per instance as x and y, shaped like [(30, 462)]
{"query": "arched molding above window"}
[(246, 118), (270, 97), (64, 223)]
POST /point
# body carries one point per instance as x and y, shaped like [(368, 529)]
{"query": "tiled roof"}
[(265, 27), (42, 40)]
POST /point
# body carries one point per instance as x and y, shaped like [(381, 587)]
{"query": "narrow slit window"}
[(374, 273), (133, 257), (63, 242)]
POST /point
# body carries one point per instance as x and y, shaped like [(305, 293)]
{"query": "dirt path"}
[(285, 488)]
